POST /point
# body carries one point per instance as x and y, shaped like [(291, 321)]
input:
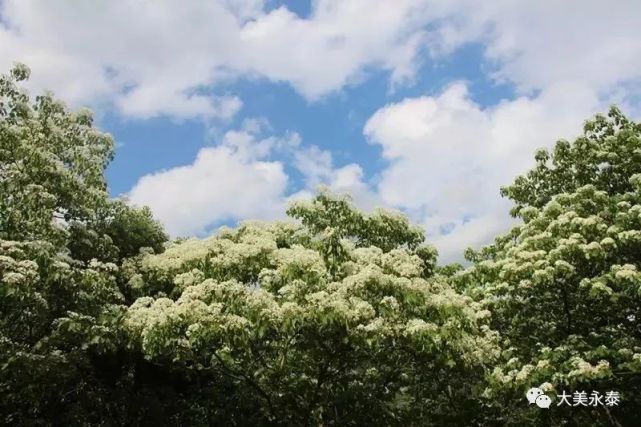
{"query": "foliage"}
[(289, 336), (606, 156), (60, 297), (564, 288), (116, 231)]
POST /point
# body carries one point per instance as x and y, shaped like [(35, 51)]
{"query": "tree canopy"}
[(564, 288), (332, 317), (61, 242)]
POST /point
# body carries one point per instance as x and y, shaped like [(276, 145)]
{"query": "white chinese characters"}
[(581, 398)]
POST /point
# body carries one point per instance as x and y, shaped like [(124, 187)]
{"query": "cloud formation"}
[(539, 44), (154, 58), (240, 178), (449, 156), (223, 183), (446, 154)]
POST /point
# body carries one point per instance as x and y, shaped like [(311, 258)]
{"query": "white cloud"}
[(256, 125), (238, 179), (149, 101), (449, 156), (315, 165), (155, 58), (146, 58), (246, 145), (322, 54), (538, 43), (230, 181)]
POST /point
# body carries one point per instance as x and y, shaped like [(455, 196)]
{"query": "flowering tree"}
[(60, 237), (564, 288), (311, 323)]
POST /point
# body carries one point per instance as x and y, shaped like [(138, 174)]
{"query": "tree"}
[(60, 296), (310, 324), (564, 288), (52, 164), (115, 232), (605, 156)]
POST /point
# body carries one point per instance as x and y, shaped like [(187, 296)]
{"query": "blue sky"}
[(225, 110), (334, 123)]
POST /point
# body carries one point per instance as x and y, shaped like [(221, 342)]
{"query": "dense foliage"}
[(61, 240), (564, 288), (334, 317)]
